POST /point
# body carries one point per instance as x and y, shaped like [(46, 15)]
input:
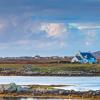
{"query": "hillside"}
[(97, 54)]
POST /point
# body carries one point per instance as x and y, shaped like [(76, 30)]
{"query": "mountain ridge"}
[(96, 54)]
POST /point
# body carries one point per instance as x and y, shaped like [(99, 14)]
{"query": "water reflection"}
[(10, 98)]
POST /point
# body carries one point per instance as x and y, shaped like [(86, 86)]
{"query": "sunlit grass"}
[(55, 67)]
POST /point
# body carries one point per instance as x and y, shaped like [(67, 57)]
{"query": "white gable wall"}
[(75, 60)]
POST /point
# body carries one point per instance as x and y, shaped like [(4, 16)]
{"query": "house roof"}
[(78, 57), (87, 55)]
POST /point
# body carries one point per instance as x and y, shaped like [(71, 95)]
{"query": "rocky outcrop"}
[(67, 93), (13, 88), (16, 89), (96, 54)]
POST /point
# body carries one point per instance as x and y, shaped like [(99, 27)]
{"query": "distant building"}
[(37, 57), (84, 57)]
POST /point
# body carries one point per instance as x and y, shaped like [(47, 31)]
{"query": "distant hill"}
[(96, 54)]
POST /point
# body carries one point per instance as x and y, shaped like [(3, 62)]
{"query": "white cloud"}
[(30, 33), (84, 26), (90, 33), (88, 43), (88, 30), (90, 36), (63, 44), (3, 46), (43, 45), (50, 45), (3, 25), (54, 29), (23, 42)]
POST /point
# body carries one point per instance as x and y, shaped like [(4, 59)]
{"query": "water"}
[(33, 99), (43, 99), (76, 83)]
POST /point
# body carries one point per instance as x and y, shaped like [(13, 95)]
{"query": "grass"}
[(53, 68), (45, 86)]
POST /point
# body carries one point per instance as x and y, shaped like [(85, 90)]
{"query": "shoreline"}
[(49, 96), (61, 75), (44, 91)]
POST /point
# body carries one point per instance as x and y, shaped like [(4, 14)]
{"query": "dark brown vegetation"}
[(32, 60)]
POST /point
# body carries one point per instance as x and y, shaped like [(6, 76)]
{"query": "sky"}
[(49, 27)]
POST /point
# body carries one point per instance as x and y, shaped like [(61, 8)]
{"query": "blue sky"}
[(49, 27)]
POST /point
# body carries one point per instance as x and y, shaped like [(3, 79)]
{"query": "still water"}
[(40, 99), (75, 83)]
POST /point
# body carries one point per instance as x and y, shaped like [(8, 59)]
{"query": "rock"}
[(97, 92), (12, 88), (1, 88), (19, 89)]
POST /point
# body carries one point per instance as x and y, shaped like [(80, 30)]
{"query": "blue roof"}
[(78, 57), (87, 55)]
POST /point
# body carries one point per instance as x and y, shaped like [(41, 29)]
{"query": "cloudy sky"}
[(49, 27)]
